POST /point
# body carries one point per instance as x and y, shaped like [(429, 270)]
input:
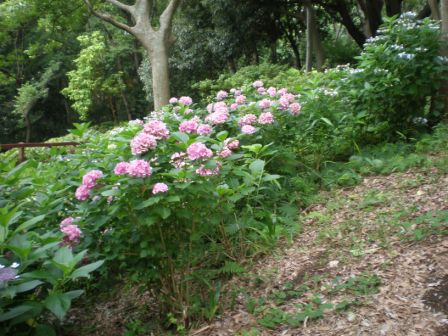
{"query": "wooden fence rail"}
[(21, 146)]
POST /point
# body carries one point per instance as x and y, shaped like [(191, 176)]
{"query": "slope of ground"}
[(371, 260)]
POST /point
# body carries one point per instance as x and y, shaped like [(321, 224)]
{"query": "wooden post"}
[(21, 153)]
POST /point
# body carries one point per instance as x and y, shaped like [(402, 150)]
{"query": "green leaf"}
[(14, 312), (163, 212), (74, 294), (58, 304), (221, 136), (257, 166), (44, 330), (26, 286), (271, 177), (111, 192), (255, 148), (147, 203), (182, 137), (29, 223), (173, 199), (63, 259), (85, 271), (327, 121)]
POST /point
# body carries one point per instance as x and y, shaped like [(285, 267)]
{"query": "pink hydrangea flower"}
[(185, 100), (157, 129), (110, 199), (210, 108), (159, 188), (240, 99), (272, 91), (66, 221), (173, 100), (257, 84), (91, 177), (248, 119), (221, 95), (282, 91), (139, 168), (225, 152), (237, 93), (202, 171), (121, 168), (143, 142), (188, 111), (198, 150), (82, 192), (248, 129), (204, 129), (232, 144), (264, 104), (72, 232), (289, 96), (283, 103), (261, 90), (233, 107), (189, 126), (295, 108), (178, 159), (218, 117), (266, 118), (220, 107)]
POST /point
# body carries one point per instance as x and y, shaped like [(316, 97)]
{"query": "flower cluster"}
[(143, 142), (198, 150), (89, 181), (135, 168), (71, 231)]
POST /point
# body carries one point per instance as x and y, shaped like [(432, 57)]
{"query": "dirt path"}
[(372, 260)]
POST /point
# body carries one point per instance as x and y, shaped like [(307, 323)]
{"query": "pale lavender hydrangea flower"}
[(185, 100), (248, 129), (159, 188), (198, 150)]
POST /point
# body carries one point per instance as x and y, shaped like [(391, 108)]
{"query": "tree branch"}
[(108, 18), (120, 5), (167, 16)]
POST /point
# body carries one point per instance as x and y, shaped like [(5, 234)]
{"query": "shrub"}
[(398, 72)]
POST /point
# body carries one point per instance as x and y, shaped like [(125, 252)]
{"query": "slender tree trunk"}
[(444, 53), (126, 106), (393, 7), (231, 65), (309, 37), (28, 127), (273, 51), (373, 15), (317, 42), (435, 12)]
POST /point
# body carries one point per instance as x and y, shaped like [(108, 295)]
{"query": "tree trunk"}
[(373, 15), (309, 38), (160, 75), (156, 41), (435, 12), (273, 51), (317, 42), (444, 53), (340, 7), (393, 7)]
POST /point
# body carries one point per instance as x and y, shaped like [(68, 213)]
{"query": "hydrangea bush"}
[(185, 190)]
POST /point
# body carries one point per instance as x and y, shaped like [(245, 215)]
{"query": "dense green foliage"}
[(218, 204)]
